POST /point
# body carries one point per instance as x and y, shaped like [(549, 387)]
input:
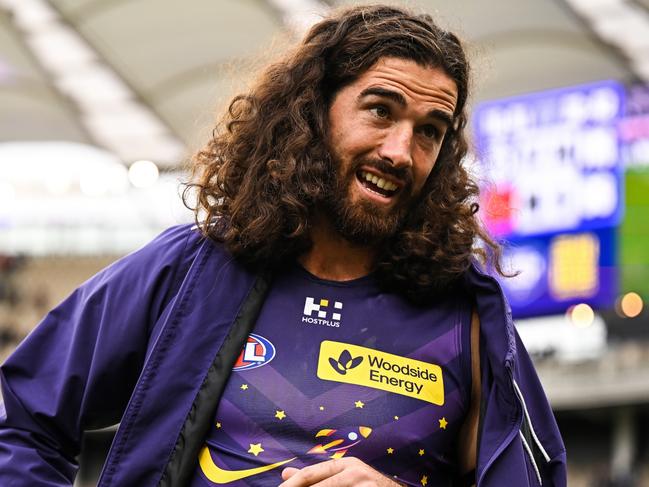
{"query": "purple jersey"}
[(336, 369)]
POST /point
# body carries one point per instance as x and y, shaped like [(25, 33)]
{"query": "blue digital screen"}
[(560, 270), (551, 174), (550, 161)]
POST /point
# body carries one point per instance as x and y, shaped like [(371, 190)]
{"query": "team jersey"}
[(335, 369)]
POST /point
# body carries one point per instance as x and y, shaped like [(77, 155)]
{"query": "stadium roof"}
[(143, 78)]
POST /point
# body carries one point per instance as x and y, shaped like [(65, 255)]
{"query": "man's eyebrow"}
[(441, 115), (382, 92)]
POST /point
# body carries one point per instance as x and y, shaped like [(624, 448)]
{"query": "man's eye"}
[(429, 131), (380, 111)]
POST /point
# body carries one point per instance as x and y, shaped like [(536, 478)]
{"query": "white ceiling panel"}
[(175, 56)]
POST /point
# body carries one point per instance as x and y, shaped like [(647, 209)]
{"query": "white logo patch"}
[(317, 312)]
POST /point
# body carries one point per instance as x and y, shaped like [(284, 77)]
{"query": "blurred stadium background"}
[(103, 101)]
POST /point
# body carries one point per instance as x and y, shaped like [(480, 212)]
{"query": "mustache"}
[(403, 174)]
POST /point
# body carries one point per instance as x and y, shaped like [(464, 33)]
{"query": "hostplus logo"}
[(321, 313)]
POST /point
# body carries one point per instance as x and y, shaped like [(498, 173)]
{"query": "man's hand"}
[(343, 472)]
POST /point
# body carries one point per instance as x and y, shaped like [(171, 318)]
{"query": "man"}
[(328, 326)]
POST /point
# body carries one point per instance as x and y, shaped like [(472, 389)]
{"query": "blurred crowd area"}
[(30, 287)]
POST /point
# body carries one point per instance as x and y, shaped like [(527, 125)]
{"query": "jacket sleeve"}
[(539, 434), (520, 442), (77, 369)]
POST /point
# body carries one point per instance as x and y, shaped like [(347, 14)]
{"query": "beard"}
[(363, 221)]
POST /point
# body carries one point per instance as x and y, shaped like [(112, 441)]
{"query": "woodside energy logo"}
[(352, 364)]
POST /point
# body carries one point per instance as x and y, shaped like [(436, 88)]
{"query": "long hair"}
[(267, 167)]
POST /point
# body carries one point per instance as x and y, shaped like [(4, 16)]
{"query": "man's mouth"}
[(377, 184)]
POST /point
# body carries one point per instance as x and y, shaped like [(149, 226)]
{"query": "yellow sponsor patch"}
[(352, 364)]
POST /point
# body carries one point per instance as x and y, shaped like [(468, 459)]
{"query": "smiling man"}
[(326, 323), (385, 132)]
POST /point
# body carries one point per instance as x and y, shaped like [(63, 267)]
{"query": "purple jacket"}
[(149, 342)]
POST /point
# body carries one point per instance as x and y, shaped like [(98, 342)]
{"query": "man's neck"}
[(333, 258)]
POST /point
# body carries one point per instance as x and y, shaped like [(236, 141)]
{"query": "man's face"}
[(385, 133)]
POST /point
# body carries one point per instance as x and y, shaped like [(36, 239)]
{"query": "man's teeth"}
[(380, 182)]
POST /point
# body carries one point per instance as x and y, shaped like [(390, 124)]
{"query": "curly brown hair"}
[(267, 167)]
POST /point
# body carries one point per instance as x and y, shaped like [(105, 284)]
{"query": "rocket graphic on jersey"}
[(340, 440)]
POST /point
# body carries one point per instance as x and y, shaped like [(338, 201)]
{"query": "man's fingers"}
[(312, 474), (338, 480), (344, 472), (288, 472)]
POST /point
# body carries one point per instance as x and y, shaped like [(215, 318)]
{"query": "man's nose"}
[(396, 146)]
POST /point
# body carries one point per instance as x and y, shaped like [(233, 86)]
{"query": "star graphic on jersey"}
[(321, 408), (421, 452), (396, 418), (255, 449), (424, 480), (443, 423), (390, 451), (359, 404), (244, 387), (280, 414), (218, 425)]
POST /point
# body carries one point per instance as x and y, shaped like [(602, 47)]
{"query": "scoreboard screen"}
[(551, 160), (551, 176)]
